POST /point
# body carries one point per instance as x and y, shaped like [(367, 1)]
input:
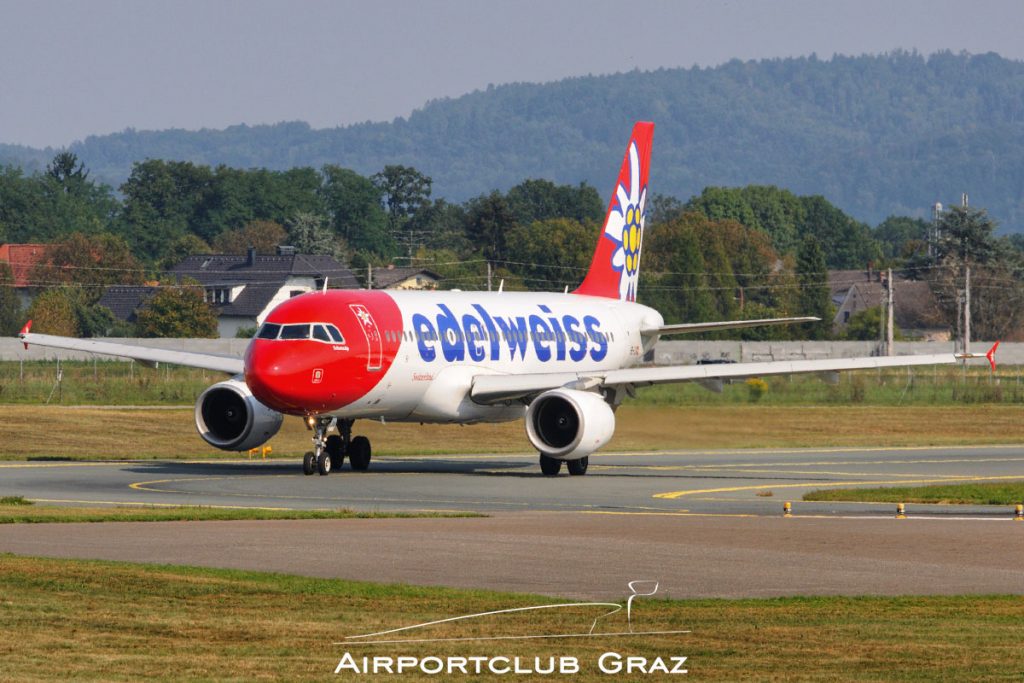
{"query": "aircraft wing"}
[(689, 328), (497, 388), (145, 354)]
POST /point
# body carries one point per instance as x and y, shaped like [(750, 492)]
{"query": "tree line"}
[(878, 135), (751, 252)]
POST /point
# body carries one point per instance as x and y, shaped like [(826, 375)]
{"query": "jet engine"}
[(229, 417), (568, 424)]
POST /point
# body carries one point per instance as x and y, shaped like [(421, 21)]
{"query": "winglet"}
[(24, 331), (991, 355)]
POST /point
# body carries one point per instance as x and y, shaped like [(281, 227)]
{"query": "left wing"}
[(498, 388), (689, 328), (145, 354)]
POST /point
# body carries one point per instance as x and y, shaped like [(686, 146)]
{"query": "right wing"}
[(205, 361), (497, 388)]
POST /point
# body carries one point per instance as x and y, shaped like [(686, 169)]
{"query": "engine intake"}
[(229, 417), (568, 424)]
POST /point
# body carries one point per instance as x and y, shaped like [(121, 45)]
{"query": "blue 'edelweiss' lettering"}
[(480, 337)]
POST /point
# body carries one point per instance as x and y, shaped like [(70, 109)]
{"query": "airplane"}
[(561, 362)]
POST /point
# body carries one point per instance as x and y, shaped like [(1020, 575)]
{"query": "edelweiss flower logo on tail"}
[(615, 269), (625, 227)]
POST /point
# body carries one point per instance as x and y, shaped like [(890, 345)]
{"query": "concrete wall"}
[(665, 353), (689, 352)]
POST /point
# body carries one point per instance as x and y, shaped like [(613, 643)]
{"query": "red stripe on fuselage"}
[(305, 376)]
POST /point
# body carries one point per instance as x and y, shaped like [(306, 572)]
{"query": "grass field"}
[(125, 433), (120, 383), (88, 620), (1003, 493), (14, 511)]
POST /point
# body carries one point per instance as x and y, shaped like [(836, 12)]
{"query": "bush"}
[(757, 388)]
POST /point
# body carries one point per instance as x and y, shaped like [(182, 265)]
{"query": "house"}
[(242, 288), (23, 258), (915, 310), (394, 277)]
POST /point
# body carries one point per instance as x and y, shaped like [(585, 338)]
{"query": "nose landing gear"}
[(329, 451)]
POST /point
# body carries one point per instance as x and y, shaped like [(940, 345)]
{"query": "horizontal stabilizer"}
[(689, 328)]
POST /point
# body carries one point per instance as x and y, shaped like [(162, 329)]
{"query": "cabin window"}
[(320, 334)]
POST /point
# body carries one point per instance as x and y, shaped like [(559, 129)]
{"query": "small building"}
[(915, 310), (394, 277), (23, 258), (242, 288)]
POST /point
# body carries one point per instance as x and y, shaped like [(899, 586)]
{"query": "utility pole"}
[(489, 275), (967, 309), (967, 293), (889, 347), (369, 276)]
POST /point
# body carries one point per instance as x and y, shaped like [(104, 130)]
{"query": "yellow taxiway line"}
[(819, 484)]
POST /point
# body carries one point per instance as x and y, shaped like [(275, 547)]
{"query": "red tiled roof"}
[(22, 258)]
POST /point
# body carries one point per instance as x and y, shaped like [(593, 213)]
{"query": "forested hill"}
[(876, 135)]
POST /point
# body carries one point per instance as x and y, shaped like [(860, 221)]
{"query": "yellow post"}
[(787, 509), (900, 511), (1018, 513), (266, 450), (252, 452)]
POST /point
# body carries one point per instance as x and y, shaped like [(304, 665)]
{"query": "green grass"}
[(92, 620), (1003, 493), (120, 383), (19, 513), (7, 501), (923, 386)]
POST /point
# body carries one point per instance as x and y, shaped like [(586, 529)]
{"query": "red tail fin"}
[(615, 270)]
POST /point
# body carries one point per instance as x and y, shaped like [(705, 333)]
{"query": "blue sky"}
[(70, 69)]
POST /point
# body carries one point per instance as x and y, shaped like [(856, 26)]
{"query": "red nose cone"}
[(289, 377)]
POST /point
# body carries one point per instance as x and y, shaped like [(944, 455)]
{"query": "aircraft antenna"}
[(501, 285)]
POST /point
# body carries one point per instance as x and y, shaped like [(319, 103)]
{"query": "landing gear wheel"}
[(359, 453), (577, 467), (336, 450), (550, 466), (308, 463), (323, 464)]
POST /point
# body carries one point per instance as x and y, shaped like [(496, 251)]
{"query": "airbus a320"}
[(561, 362)]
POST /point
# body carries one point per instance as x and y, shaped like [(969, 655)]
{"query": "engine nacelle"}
[(229, 417), (568, 424)]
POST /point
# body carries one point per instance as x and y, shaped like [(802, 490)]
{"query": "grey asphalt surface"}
[(693, 521)]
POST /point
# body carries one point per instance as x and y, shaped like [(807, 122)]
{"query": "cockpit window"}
[(321, 332), (295, 331), (335, 334), (268, 331)]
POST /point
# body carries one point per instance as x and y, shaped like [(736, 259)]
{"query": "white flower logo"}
[(625, 227)]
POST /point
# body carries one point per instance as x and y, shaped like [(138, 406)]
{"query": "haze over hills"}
[(876, 135)]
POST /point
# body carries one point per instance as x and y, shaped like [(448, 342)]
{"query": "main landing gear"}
[(552, 466), (329, 451)]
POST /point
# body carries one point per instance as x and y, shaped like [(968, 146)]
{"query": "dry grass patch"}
[(125, 433), (88, 620), (28, 513)]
